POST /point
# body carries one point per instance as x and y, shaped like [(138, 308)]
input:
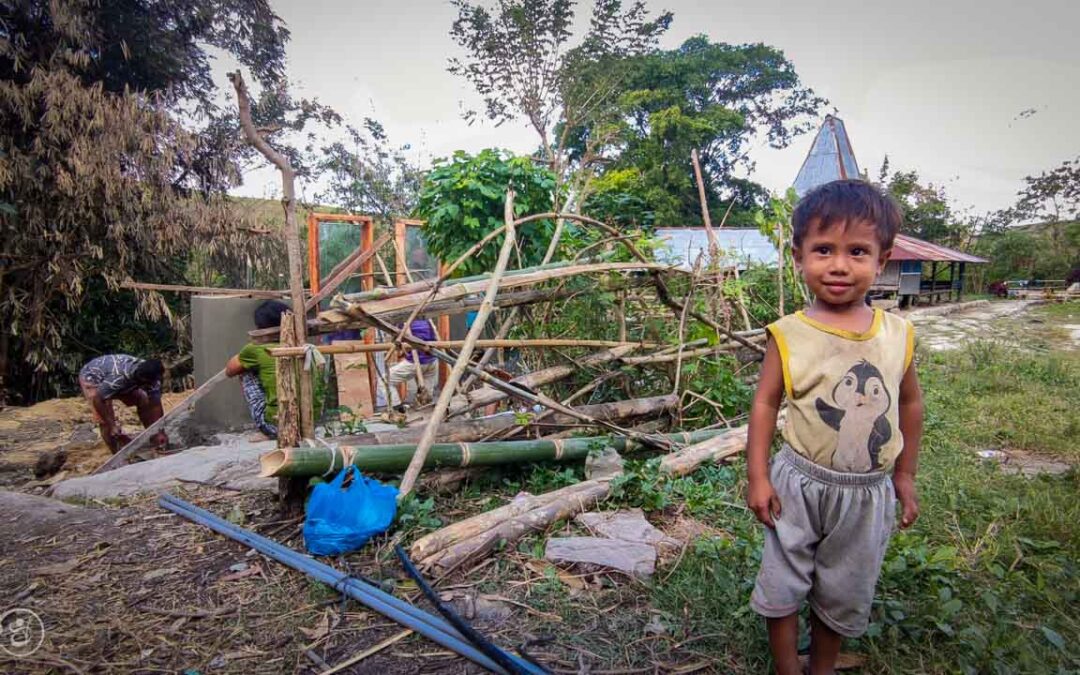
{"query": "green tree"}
[(925, 208), (372, 176), (115, 155), (713, 97), (520, 58), (462, 199)]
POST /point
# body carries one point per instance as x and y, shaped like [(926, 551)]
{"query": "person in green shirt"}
[(257, 369)]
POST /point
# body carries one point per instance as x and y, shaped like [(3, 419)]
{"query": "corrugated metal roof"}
[(740, 245), (830, 157), (910, 248)]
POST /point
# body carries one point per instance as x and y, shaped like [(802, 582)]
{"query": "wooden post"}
[(290, 489), (292, 240), (288, 419), (960, 288)]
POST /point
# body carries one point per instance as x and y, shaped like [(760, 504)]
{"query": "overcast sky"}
[(938, 85)]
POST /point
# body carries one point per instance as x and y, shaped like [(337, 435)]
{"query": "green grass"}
[(985, 582)]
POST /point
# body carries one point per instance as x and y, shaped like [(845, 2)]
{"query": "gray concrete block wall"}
[(219, 327)]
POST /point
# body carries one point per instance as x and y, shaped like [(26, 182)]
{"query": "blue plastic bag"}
[(342, 520)]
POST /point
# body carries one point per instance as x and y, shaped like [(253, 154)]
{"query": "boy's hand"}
[(904, 485), (763, 501)]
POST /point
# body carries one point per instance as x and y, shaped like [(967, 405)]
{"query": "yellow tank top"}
[(843, 389)]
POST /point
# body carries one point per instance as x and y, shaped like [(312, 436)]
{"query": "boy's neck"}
[(853, 316)]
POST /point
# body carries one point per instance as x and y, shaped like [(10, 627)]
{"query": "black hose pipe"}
[(468, 632)]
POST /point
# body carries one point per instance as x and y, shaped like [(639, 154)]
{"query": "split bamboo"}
[(480, 428), (328, 459), (280, 352)]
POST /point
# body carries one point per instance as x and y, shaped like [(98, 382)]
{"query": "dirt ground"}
[(26, 433), (129, 587)]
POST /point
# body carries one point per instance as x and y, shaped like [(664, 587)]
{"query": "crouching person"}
[(257, 370), (404, 371), (134, 382)]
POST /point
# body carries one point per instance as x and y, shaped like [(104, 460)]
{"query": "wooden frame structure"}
[(367, 274)]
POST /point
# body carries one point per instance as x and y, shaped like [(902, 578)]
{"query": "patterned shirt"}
[(114, 375)]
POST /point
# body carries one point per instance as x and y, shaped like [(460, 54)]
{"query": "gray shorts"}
[(828, 544)]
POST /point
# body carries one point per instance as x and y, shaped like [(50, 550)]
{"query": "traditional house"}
[(915, 269)]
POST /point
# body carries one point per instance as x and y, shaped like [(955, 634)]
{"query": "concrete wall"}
[(219, 326)]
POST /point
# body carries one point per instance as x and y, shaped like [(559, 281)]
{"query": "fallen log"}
[(709, 451), (477, 429), (587, 495), (439, 540), (327, 459)]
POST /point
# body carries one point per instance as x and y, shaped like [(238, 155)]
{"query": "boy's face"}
[(840, 263)]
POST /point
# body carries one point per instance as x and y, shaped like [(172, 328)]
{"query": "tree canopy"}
[(713, 97), (114, 158)]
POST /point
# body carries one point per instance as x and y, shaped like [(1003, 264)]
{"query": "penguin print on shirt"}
[(859, 414)]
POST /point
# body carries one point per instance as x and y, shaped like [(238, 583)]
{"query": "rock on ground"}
[(233, 465)]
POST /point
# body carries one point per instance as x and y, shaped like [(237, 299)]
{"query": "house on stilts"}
[(917, 269)]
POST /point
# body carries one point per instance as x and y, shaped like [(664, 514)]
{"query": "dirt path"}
[(1007, 321)]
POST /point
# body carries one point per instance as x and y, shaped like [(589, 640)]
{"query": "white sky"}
[(935, 84)]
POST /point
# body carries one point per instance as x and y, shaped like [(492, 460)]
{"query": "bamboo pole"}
[(711, 450), (120, 458), (447, 392), (329, 458), (205, 290), (482, 428), (292, 242), (281, 352), (722, 348), (483, 396), (714, 245), (339, 276)]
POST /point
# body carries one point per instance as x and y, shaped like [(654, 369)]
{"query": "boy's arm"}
[(233, 367), (911, 426), (761, 497)]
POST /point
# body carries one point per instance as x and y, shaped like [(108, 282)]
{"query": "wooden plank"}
[(336, 279), (205, 290), (120, 458)]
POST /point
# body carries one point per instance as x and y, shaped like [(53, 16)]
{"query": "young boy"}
[(854, 412), (257, 368)]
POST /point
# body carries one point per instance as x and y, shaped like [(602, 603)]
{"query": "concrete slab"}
[(235, 465)]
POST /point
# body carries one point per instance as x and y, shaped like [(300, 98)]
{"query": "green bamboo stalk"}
[(329, 459)]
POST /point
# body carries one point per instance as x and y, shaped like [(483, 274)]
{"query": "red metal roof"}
[(910, 248)]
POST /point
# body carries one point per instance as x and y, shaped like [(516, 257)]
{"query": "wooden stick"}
[(292, 241), (338, 277), (281, 352), (120, 458), (682, 316), (205, 290), (368, 652), (462, 361), (714, 245)]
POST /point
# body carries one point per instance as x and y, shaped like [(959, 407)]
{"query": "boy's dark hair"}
[(149, 371), (268, 313), (846, 201)]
